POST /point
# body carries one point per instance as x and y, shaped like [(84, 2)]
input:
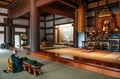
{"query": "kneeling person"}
[(14, 63)]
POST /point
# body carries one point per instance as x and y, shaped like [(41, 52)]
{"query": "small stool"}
[(32, 66), (36, 67), (27, 65)]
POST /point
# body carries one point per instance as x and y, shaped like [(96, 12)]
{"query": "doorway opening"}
[(64, 34), (1, 38), (18, 41)]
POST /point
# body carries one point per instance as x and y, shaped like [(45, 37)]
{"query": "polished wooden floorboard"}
[(79, 65)]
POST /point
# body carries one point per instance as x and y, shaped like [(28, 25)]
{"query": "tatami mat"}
[(51, 70)]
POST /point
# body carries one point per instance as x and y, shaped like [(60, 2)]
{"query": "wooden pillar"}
[(9, 32), (5, 34), (13, 36), (79, 29), (34, 27), (75, 29), (28, 32), (54, 29), (45, 26), (28, 35), (81, 18)]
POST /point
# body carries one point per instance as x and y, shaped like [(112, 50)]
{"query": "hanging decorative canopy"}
[(106, 13)]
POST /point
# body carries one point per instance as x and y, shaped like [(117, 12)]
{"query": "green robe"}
[(14, 64)]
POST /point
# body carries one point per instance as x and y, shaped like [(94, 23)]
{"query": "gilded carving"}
[(106, 18)]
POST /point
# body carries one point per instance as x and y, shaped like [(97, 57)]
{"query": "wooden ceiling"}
[(60, 7), (6, 3), (64, 7), (76, 3)]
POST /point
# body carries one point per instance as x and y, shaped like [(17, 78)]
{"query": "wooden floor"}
[(68, 56), (96, 54)]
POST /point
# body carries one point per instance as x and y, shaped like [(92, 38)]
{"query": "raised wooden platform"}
[(103, 62)]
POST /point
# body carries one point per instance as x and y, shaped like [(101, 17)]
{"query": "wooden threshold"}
[(86, 66)]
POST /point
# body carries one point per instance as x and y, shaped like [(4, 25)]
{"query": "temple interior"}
[(67, 36)]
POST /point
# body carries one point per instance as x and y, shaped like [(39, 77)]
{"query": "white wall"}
[(42, 24), (58, 16), (2, 18), (49, 17), (65, 20), (3, 10), (20, 21), (26, 22), (1, 38), (49, 31), (49, 24), (20, 30), (59, 21), (1, 28)]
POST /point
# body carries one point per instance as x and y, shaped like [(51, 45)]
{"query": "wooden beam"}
[(63, 23), (56, 19), (59, 11), (1, 31), (101, 7), (27, 18), (67, 4), (21, 17), (15, 25), (45, 28), (49, 33), (3, 24), (3, 14), (49, 27), (20, 32), (2, 6), (40, 3), (19, 8), (11, 4), (6, 1), (20, 26), (22, 6)]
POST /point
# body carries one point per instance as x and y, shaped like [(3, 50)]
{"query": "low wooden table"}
[(32, 66)]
